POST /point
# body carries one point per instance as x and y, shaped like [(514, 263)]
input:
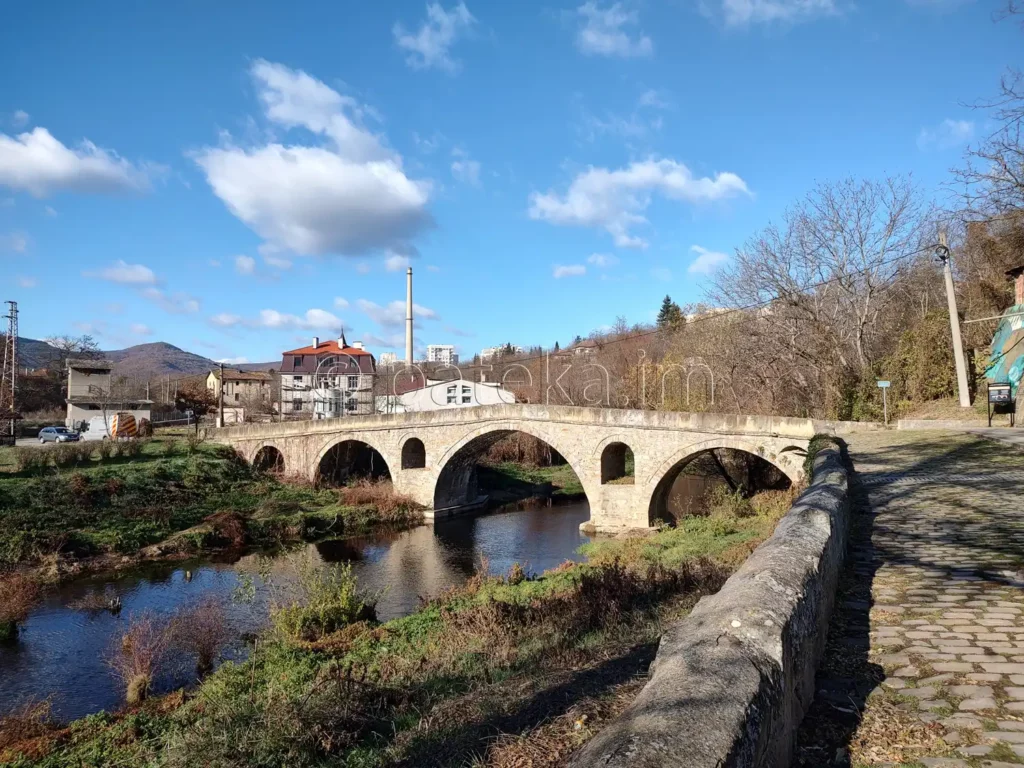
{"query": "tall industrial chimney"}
[(408, 316)]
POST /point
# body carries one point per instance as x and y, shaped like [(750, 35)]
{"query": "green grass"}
[(121, 505), (510, 481)]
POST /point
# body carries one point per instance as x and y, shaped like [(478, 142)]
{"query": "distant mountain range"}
[(143, 361)]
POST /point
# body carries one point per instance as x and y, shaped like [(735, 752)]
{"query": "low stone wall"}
[(956, 424), (731, 682)]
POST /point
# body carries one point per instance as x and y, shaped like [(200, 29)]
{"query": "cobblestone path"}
[(925, 657)]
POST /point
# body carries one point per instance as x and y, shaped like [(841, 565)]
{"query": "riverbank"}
[(540, 661), (77, 513)]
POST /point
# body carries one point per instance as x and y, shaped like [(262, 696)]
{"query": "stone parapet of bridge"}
[(431, 455)]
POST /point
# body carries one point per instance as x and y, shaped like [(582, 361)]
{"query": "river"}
[(62, 651)]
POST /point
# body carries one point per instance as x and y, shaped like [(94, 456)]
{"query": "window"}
[(297, 361), (297, 379), (237, 397), (353, 382), (297, 404), (451, 395)]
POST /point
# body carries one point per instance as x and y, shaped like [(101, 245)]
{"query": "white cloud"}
[(661, 274), (615, 200), (340, 303), (603, 32), (125, 274), (348, 196), (568, 270), (277, 262), (313, 320), (173, 303), (602, 260), (245, 265), (946, 135), (20, 118), (652, 99), (233, 360), (37, 163), (744, 12), (706, 261), (15, 241), (225, 320), (430, 47), (138, 329), (393, 315), (465, 169), (396, 262), (27, 282)]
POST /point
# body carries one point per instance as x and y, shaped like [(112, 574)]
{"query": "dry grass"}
[(18, 594), (201, 631), (138, 654), (28, 727), (376, 493)]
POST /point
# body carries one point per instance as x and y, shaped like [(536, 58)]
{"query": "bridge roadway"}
[(432, 455)]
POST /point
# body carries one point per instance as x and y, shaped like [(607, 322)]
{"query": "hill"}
[(142, 361)]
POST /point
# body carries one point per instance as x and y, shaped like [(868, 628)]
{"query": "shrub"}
[(62, 454), (724, 503), (18, 594), (380, 494), (202, 631), (132, 447), (139, 653), (192, 442), (105, 449), (29, 721), (170, 448), (27, 459), (330, 600)]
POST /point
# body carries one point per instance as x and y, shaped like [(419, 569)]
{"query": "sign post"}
[(1000, 398), (884, 385)]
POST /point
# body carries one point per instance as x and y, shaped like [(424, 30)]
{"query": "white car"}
[(96, 428)]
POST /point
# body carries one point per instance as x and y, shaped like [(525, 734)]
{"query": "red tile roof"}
[(330, 346)]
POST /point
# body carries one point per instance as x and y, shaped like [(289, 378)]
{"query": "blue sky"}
[(234, 178)]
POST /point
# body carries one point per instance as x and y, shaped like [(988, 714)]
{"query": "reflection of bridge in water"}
[(432, 455)]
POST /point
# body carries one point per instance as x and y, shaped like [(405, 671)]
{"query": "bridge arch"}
[(456, 482), (659, 482), (414, 454), (348, 455), (268, 458)]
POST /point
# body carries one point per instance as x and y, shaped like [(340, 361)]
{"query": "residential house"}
[(327, 379), (92, 392), (252, 389), (442, 353), (409, 395)]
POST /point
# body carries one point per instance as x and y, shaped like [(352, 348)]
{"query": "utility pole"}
[(944, 255), (9, 372), (220, 407)]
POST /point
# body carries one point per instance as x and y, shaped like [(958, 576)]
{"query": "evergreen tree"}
[(670, 315), (556, 346)]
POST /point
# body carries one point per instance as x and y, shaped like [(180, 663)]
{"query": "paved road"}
[(925, 658)]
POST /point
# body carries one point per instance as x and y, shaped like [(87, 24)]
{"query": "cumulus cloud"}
[(602, 260), (607, 32), (340, 303), (430, 46), (393, 315), (313, 320), (245, 265), (125, 274), (744, 12), (233, 360), (946, 135), (396, 262), (226, 320), (346, 195), (277, 262), (614, 200), (568, 270), (706, 261), (37, 163), (15, 241)]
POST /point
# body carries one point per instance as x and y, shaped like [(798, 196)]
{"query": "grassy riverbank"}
[(507, 671), (183, 498)]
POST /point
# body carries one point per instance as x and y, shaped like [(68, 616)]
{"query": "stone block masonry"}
[(731, 681)]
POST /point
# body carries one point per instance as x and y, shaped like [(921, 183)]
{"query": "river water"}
[(62, 651)]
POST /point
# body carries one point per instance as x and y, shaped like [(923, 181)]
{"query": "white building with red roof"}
[(327, 379)]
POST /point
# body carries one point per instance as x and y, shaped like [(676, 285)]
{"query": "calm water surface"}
[(61, 652)]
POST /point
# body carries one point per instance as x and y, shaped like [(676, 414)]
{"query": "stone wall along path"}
[(925, 657)]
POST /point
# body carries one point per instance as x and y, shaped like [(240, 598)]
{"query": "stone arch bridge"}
[(431, 455)]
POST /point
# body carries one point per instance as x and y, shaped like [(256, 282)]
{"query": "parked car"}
[(96, 428), (58, 435)]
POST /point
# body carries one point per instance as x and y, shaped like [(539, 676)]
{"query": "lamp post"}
[(942, 252)]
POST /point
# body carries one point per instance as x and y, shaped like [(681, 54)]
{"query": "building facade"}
[(252, 389), (327, 379), (441, 395), (387, 359), (490, 353), (442, 353), (92, 392)]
